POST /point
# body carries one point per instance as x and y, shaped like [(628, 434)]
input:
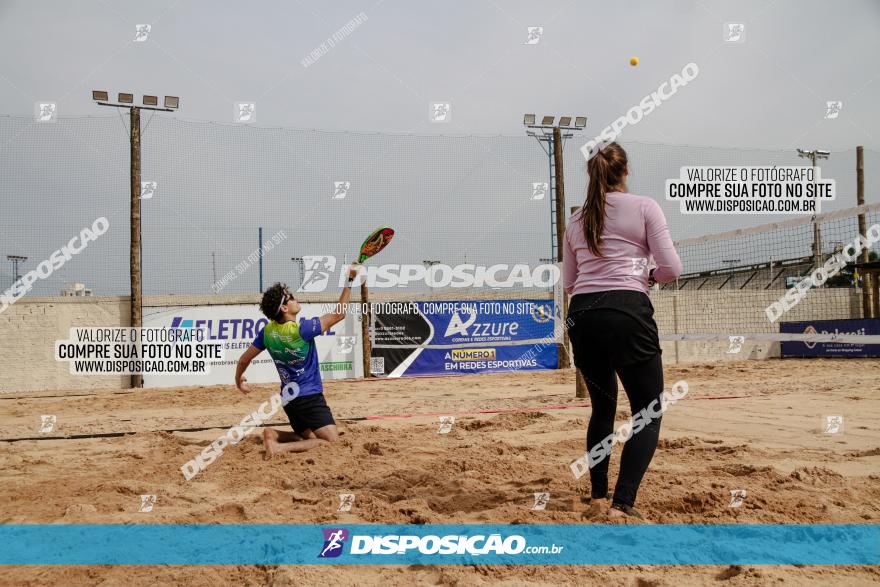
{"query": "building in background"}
[(76, 290)]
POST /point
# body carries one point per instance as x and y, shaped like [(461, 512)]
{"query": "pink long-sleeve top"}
[(635, 230)]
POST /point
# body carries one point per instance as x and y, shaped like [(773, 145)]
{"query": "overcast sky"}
[(769, 91), (754, 102)]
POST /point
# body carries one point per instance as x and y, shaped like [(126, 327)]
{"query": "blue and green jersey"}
[(292, 347)]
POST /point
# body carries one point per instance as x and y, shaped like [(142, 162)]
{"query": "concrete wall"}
[(731, 311), (734, 312), (30, 327)]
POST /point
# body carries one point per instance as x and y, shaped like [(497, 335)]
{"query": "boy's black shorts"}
[(308, 412)]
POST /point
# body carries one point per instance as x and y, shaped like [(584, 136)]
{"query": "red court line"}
[(509, 410)]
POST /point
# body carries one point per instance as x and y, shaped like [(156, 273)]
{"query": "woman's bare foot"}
[(270, 443), (598, 506), (619, 510)]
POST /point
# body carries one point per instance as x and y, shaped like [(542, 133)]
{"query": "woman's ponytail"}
[(607, 171)]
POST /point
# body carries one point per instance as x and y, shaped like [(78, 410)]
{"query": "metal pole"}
[(16, 259), (564, 361), (135, 250), (867, 278), (550, 186), (675, 322), (365, 328), (301, 266), (817, 236), (260, 250)]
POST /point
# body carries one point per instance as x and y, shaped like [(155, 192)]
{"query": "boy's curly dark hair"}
[(272, 300)]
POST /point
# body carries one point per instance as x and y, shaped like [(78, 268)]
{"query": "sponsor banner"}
[(855, 327), (487, 332), (485, 360), (445, 544), (235, 326)]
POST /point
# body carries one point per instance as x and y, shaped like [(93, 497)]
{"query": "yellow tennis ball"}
[(633, 61)]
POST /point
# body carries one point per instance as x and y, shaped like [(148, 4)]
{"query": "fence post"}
[(136, 309), (675, 322), (867, 277), (260, 249), (365, 329)]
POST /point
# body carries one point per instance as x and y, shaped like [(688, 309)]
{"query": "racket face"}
[(374, 243)]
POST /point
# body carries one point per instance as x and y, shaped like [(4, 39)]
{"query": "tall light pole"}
[(214, 266), (16, 259), (551, 137), (260, 249), (302, 269), (124, 100), (554, 135), (814, 156)]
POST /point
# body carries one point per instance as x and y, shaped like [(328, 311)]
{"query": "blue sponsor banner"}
[(432, 544), (830, 349), (488, 321), (488, 359), (488, 332)]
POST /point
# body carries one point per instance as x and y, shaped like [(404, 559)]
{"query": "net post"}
[(868, 277), (675, 322), (365, 329)]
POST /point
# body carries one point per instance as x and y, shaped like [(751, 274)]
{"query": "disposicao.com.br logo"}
[(317, 271), (431, 544)]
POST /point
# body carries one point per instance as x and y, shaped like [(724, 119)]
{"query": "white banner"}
[(340, 350)]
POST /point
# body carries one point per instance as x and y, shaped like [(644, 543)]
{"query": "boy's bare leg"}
[(328, 433), (280, 435), (272, 438), (275, 448), (274, 444), (285, 436)]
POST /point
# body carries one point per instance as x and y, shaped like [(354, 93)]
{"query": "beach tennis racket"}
[(374, 243)]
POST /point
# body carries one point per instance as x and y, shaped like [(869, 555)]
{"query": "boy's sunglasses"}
[(284, 299)]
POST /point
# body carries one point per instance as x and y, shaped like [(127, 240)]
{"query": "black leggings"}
[(602, 340)]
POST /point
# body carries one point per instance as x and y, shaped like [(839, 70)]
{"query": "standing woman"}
[(606, 254)]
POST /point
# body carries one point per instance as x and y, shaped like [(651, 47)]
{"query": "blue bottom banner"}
[(436, 544)]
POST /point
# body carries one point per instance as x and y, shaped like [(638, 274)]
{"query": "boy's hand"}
[(353, 271), (242, 385)]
